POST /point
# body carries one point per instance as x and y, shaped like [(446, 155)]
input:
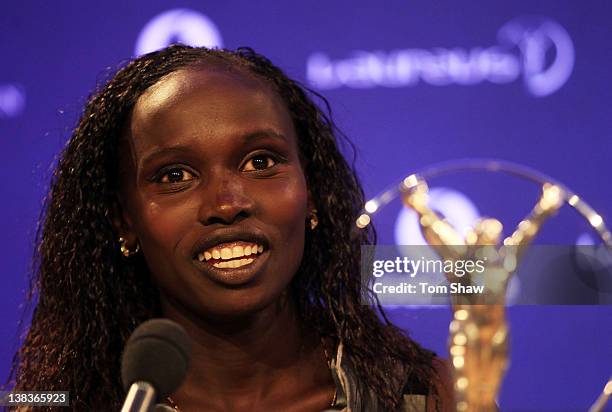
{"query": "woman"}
[(206, 187)]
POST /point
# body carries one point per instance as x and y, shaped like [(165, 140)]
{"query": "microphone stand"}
[(140, 398)]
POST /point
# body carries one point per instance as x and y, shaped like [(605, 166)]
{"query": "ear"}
[(122, 223)]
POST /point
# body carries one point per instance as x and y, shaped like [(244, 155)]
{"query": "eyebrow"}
[(181, 149)]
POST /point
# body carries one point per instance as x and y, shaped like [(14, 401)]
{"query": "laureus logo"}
[(537, 49), (12, 100), (178, 26), (537, 39)]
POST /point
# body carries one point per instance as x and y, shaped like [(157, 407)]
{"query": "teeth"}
[(227, 253), (237, 251), (233, 263)]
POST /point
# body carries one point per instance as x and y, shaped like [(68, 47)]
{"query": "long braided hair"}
[(88, 299)]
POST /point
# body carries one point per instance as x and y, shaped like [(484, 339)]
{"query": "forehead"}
[(206, 102)]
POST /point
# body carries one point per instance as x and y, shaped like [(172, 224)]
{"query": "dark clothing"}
[(352, 396)]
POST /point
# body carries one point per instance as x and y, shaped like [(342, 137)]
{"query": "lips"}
[(231, 254), (216, 240), (231, 257)]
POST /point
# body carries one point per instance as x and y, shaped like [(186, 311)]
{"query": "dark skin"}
[(210, 151)]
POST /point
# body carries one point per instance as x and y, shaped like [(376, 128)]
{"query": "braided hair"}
[(88, 299)]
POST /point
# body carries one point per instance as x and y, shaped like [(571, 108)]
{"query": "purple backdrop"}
[(411, 83)]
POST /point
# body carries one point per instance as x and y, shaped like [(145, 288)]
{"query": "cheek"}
[(286, 199), (159, 229), (286, 211)]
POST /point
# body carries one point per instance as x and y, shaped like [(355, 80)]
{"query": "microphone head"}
[(157, 352)]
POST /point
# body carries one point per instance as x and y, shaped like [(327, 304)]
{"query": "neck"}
[(252, 360)]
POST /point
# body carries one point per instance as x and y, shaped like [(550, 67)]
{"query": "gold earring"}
[(124, 248), (314, 220)]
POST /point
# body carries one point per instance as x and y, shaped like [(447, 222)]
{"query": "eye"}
[(175, 175), (259, 162)]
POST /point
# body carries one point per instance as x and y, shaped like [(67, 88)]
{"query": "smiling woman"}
[(206, 187), (211, 165)]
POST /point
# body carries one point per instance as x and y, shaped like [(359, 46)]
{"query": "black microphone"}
[(154, 363)]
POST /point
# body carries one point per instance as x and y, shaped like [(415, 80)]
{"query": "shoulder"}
[(443, 385), (435, 395), (415, 392)]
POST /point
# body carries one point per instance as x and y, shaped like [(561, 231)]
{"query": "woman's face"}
[(214, 191)]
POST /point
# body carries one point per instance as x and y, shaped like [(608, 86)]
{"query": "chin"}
[(236, 305)]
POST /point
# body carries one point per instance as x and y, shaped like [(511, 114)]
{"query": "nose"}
[(225, 202)]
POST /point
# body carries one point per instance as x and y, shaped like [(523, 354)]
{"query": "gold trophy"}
[(479, 333)]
